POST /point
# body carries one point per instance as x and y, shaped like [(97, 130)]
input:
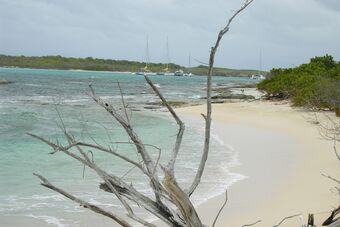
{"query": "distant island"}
[(96, 64)]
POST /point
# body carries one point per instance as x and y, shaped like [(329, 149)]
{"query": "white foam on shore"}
[(49, 219), (217, 175), (219, 140)]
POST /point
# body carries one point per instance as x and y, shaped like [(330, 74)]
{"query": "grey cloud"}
[(288, 32), (331, 4)]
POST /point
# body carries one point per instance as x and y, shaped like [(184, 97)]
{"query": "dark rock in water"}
[(222, 90), (158, 103), (232, 96), (252, 85), (152, 107), (5, 82), (171, 103), (217, 101)]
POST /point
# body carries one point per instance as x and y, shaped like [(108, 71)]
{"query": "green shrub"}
[(316, 84)]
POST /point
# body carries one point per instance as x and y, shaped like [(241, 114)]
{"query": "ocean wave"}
[(195, 97), (49, 220), (33, 85)]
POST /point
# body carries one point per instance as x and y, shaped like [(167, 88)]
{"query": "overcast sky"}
[(286, 32)]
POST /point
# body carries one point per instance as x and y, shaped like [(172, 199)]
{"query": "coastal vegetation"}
[(96, 64), (202, 70), (315, 84)]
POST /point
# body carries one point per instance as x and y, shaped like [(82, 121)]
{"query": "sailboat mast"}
[(147, 51), (260, 60), (167, 53)]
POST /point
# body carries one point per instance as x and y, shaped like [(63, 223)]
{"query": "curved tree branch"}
[(223, 205), (179, 122), (251, 224), (204, 158), (82, 203), (284, 219)]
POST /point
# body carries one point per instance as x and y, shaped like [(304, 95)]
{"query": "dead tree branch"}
[(171, 163), (148, 162), (335, 151), (170, 203), (222, 207), (335, 224), (286, 218), (254, 223), (332, 218), (113, 184), (330, 177), (82, 203), (123, 103), (204, 158)]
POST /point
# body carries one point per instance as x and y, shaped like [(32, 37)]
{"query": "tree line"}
[(97, 64), (315, 84)]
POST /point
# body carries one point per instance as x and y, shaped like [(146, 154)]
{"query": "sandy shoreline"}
[(283, 171), (280, 152)]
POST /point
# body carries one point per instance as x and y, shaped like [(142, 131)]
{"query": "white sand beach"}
[(282, 153)]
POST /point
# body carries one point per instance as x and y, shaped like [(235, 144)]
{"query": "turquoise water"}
[(29, 105)]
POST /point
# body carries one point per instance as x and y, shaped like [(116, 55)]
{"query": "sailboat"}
[(188, 73), (258, 76), (166, 71), (146, 71)]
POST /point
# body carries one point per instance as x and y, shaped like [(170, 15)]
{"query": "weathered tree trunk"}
[(337, 111), (171, 204)]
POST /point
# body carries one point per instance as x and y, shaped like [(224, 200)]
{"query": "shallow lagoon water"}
[(29, 105)]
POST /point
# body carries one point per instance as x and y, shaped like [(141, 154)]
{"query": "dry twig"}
[(222, 207), (286, 218), (254, 223)]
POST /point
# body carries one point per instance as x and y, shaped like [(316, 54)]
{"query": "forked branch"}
[(207, 117), (116, 218), (170, 203), (171, 163)]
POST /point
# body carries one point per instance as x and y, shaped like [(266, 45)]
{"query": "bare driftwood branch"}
[(286, 218), (330, 177), (335, 224), (148, 162), (133, 136), (338, 190), (332, 218), (179, 122), (82, 203), (251, 224), (128, 191), (123, 102), (204, 158), (335, 151), (328, 126), (170, 203), (222, 207), (181, 200)]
